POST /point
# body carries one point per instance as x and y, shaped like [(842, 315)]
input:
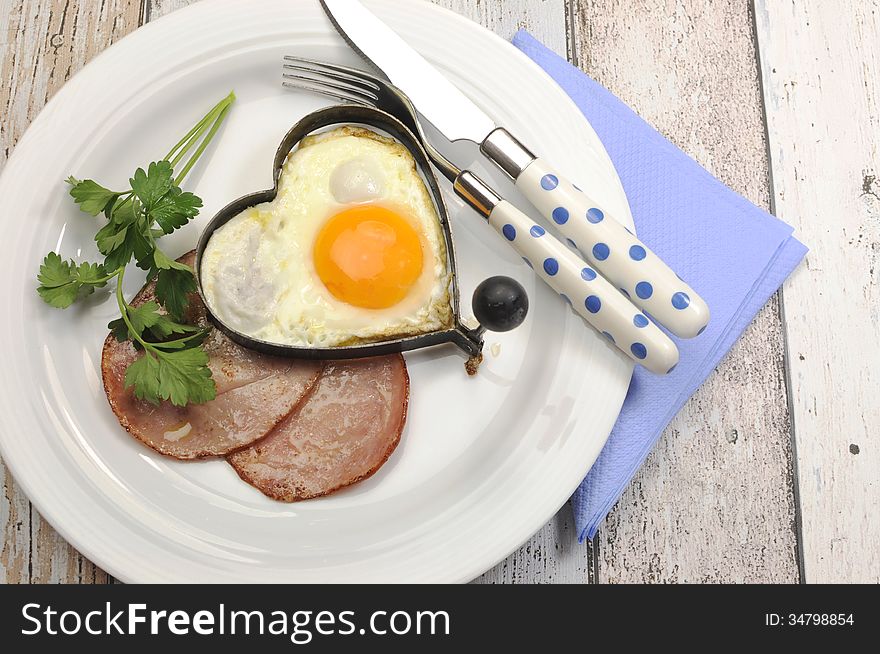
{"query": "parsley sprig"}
[(173, 366)]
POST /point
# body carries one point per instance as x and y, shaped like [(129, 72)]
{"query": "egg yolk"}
[(368, 256)]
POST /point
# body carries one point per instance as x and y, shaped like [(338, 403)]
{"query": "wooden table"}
[(770, 473)]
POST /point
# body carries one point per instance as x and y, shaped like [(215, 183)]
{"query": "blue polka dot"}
[(625, 292), (640, 321), (644, 290), (509, 232), (572, 243), (588, 274), (669, 372), (595, 216), (639, 350), (608, 336), (549, 182), (560, 215), (702, 329), (551, 266), (593, 304), (601, 251), (528, 263), (566, 298), (537, 231), (681, 301), (637, 253)]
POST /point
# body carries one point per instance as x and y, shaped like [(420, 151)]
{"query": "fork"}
[(591, 296)]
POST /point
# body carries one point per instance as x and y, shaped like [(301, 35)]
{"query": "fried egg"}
[(350, 250)]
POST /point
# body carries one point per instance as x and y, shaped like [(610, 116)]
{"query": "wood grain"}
[(44, 43), (15, 520), (551, 556), (544, 18), (714, 503), (824, 125)]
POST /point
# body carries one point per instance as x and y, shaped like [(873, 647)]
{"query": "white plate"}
[(483, 463)]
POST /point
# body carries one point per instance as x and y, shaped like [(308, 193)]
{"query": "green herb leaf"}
[(192, 340), (166, 327), (64, 282), (119, 330), (142, 244), (55, 271), (149, 321), (124, 213), (144, 316), (175, 209), (120, 256), (185, 377), (59, 297), (181, 376), (91, 196), (150, 186), (172, 369), (110, 237), (143, 376), (120, 244), (92, 274), (173, 286), (164, 262), (149, 317)]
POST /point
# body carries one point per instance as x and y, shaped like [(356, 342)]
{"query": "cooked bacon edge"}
[(342, 433), (255, 393)]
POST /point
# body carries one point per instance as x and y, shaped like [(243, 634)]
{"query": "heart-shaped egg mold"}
[(467, 339)]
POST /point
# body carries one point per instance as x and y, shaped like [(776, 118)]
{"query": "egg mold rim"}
[(467, 339)]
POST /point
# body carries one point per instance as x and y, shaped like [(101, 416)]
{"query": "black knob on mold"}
[(500, 304)]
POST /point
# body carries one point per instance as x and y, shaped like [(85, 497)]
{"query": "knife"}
[(589, 294), (609, 246)]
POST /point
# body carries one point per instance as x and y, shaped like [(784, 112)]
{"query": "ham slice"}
[(341, 434), (254, 393)]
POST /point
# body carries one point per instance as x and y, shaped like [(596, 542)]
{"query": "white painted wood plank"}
[(15, 524), (544, 18), (820, 63), (45, 41), (552, 556), (714, 501)]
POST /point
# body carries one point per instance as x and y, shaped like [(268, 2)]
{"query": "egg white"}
[(257, 271)]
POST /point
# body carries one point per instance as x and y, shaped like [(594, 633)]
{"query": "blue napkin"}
[(733, 253)]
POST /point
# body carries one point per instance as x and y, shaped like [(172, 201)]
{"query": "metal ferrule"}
[(476, 193), (510, 155)]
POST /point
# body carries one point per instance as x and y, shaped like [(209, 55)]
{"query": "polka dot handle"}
[(615, 251), (589, 294)]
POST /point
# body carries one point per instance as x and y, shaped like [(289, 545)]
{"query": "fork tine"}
[(320, 77), (332, 70), (353, 80), (323, 90), (339, 87)]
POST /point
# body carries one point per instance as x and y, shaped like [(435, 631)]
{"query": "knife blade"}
[(438, 99), (609, 246)]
